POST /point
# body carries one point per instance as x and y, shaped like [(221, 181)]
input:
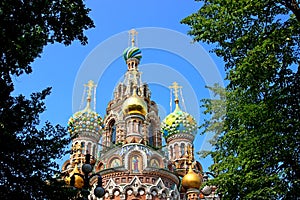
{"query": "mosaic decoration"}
[(135, 164), (115, 163), (154, 163)]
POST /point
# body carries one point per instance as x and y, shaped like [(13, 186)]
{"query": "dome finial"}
[(91, 86), (175, 88), (133, 35)]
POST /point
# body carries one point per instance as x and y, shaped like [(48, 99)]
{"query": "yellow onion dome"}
[(178, 122), (78, 181), (191, 180), (134, 105), (85, 120)]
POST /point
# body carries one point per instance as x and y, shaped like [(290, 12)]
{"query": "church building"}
[(138, 155)]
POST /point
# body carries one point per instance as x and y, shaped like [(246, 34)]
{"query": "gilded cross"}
[(175, 88), (133, 33), (91, 85)]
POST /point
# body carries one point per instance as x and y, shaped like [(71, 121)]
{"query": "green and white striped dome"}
[(132, 52)]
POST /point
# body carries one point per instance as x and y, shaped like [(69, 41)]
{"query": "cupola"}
[(191, 180), (133, 54), (86, 120), (178, 121), (134, 105)]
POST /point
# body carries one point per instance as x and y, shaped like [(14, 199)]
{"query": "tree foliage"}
[(28, 153), (27, 26), (257, 151)]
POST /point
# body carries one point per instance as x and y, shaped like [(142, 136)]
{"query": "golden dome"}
[(78, 182), (134, 105), (191, 180)]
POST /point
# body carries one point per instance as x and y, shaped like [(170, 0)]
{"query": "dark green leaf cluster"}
[(29, 149), (257, 118), (27, 26), (28, 154)]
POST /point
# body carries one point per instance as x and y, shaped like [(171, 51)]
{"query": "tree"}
[(257, 149), (28, 153)]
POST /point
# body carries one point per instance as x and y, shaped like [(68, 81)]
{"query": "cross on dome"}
[(91, 86), (133, 35), (175, 88)]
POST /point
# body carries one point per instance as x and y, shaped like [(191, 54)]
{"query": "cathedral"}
[(138, 155)]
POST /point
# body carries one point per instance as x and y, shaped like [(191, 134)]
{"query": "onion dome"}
[(134, 105), (75, 180), (132, 52), (191, 180), (178, 122), (85, 120)]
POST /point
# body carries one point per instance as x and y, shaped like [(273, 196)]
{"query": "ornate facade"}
[(126, 145)]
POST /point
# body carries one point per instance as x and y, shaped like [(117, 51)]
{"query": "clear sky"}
[(168, 55)]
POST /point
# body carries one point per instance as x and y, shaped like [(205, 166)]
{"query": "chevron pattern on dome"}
[(178, 122)]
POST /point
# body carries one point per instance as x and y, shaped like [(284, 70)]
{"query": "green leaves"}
[(27, 26), (28, 150), (257, 138)]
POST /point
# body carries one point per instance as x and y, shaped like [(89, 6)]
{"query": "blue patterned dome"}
[(178, 122), (132, 52), (85, 121)]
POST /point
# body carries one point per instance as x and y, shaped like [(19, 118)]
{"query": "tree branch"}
[(294, 7)]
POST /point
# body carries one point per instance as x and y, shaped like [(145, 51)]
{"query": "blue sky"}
[(170, 57)]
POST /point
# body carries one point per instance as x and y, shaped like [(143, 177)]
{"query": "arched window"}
[(151, 134), (176, 150), (140, 128), (134, 126), (112, 131), (171, 152), (94, 150), (83, 147), (89, 148), (182, 148), (129, 127)]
